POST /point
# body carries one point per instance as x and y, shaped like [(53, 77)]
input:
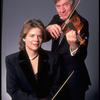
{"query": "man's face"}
[(64, 8)]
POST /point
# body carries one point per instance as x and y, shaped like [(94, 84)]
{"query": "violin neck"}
[(73, 9)]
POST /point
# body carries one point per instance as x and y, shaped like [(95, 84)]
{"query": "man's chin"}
[(63, 18)]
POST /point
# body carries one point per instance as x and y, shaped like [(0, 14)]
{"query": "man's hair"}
[(55, 1)]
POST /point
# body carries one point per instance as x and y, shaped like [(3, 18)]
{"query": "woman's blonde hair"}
[(29, 24)]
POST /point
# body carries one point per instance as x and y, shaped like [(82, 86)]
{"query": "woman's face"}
[(64, 8), (33, 39)]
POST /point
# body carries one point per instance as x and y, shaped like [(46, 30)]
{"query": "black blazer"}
[(21, 82), (63, 48), (53, 70)]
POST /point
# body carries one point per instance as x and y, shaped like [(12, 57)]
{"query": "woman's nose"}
[(36, 38)]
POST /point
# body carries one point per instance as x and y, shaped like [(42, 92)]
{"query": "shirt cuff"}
[(73, 52)]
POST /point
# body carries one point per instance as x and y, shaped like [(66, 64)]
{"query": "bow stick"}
[(62, 85)]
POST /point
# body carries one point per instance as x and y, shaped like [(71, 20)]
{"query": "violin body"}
[(74, 23)]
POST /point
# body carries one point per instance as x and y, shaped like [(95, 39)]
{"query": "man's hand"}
[(54, 30), (72, 39)]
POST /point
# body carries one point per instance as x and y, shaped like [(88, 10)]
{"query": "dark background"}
[(16, 12)]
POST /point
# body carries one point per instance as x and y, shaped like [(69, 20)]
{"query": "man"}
[(69, 45)]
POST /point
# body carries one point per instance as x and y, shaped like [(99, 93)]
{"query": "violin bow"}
[(63, 85), (74, 7)]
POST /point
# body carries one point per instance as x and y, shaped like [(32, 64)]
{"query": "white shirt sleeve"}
[(73, 52)]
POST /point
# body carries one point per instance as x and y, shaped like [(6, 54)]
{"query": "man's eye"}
[(57, 6), (66, 4)]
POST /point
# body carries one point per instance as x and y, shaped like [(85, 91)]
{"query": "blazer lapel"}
[(43, 67), (43, 73), (27, 68), (56, 46)]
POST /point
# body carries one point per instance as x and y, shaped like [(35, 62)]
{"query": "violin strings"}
[(66, 22), (74, 8)]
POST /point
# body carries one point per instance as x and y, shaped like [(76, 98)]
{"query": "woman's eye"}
[(40, 36), (32, 35)]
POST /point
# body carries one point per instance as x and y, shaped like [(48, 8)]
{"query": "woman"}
[(32, 73)]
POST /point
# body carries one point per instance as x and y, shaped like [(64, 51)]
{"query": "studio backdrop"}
[(16, 12)]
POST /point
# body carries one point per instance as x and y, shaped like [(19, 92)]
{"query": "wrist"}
[(73, 47), (74, 51)]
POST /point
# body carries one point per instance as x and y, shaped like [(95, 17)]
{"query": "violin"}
[(73, 23)]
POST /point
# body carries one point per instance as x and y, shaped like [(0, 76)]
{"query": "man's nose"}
[(62, 9)]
